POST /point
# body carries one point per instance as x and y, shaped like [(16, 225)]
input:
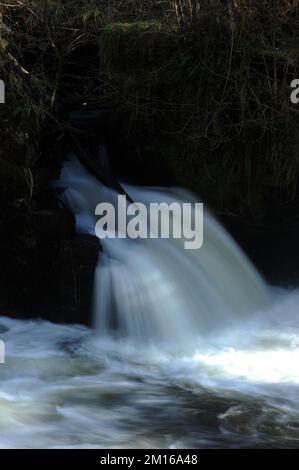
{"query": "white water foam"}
[(154, 289)]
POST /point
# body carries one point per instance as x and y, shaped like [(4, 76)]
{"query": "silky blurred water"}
[(147, 289), (64, 386), (201, 352)]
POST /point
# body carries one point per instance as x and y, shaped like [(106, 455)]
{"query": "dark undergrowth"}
[(202, 88)]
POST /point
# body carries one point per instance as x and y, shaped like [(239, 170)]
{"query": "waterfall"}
[(154, 289)]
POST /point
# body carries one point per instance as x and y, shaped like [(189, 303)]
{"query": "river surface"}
[(189, 348), (66, 387)]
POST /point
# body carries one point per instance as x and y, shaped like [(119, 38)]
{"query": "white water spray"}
[(154, 289)]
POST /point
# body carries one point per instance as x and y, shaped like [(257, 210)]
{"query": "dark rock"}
[(272, 247), (52, 225), (92, 119), (86, 137), (56, 224), (46, 270), (86, 251), (74, 274)]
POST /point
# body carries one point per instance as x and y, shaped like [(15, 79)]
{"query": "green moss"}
[(3, 44), (136, 27), (290, 53), (137, 44)]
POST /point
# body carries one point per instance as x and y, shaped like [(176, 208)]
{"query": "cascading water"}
[(154, 288), (68, 386)]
